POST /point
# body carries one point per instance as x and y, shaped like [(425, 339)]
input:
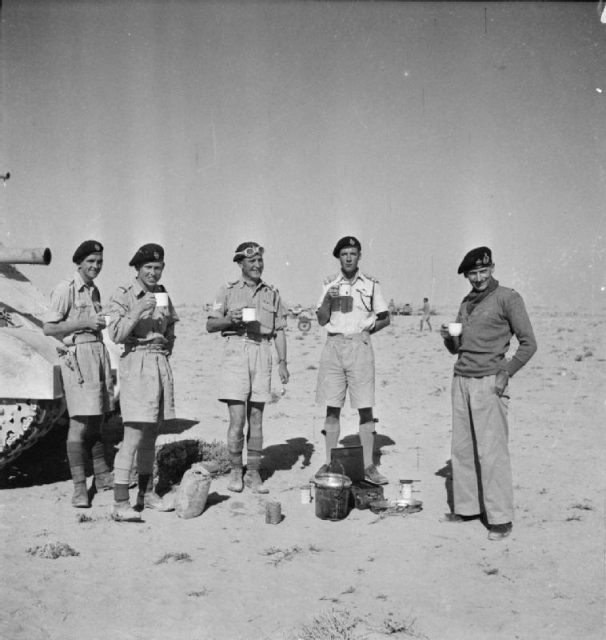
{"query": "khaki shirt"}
[(359, 309), (271, 314), (124, 328), (74, 300)]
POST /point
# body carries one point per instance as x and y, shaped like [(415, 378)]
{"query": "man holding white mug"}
[(142, 318), (351, 307), (488, 318), (249, 314)]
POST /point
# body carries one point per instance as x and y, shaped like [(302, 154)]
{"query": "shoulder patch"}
[(231, 284), (371, 278)]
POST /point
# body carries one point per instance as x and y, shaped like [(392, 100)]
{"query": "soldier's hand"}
[(444, 331), (333, 292), (501, 382), (235, 316), (146, 306), (283, 372), (97, 322)]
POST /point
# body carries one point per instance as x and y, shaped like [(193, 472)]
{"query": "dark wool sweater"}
[(487, 332)]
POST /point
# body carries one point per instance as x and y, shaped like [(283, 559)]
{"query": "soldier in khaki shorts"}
[(351, 307), (142, 318), (75, 317), (249, 314)]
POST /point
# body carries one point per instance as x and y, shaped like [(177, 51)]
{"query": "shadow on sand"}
[(446, 473), (353, 440), (46, 461), (281, 457)]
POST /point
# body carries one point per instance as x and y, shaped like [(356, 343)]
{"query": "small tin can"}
[(305, 493), (406, 491), (273, 513)]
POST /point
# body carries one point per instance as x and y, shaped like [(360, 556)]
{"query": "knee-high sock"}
[(367, 440), (332, 431), (76, 457), (254, 452)]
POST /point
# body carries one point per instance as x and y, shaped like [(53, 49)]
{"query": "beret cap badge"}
[(85, 249), (347, 241), (478, 257), (147, 253)]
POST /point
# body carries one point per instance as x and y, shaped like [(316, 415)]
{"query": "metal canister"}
[(305, 493), (406, 491), (273, 513)]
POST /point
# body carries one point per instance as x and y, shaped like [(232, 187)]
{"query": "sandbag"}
[(193, 491)]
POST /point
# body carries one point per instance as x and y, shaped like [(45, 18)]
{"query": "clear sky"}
[(425, 129)]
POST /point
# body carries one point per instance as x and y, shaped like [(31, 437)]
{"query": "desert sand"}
[(227, 575)]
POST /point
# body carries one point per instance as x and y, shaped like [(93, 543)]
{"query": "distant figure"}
[(481, 469), (142, 318), (351, 308), (75, 317), (250, 316), (426, 309)]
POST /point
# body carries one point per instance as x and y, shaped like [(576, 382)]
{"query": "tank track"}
[(23, 423)]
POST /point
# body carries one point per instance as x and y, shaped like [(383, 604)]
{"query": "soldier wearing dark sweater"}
[(490, 315)]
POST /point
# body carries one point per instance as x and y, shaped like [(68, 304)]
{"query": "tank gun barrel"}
[(41, 255)]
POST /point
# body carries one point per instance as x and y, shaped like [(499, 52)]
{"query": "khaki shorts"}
[(146, 387), (347, 362), (245, 370), (87, 379)]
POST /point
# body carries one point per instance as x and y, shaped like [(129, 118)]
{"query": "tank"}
[(31, 393)]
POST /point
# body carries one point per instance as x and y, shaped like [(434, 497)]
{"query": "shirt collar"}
[(139, 290), (256, 288), (80, 284), (359, 276)]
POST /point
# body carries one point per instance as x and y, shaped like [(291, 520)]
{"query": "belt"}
[(156, 347), (349, 336), (83, 338), (253, 337)]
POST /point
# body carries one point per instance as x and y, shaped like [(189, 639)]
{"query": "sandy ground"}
[(411, 576)]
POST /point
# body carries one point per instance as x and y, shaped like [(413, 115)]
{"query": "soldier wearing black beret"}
[(147, 253), (476, 259), (85, 249), (351, 308), (347, 241), (75, 317), (142, 318), (490, 315)]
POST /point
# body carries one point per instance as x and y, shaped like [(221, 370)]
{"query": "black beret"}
[(347, 241), (147, 253), (85, 249), (476, 259)]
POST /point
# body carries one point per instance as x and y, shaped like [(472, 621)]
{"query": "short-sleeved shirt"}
[(358, 314), (125, 328), (73, 299), (271, 314)]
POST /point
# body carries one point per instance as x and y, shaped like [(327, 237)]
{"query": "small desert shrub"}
[(82, 517), (53, 550), (331, 625), (173, 459), (174, 557)]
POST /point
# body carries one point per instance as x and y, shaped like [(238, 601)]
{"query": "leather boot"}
[(235, 480), (123, 512), (77, 461), (80, 498), (254, 482), (104, 481), (151, 500)]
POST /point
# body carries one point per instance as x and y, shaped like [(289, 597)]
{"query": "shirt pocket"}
[(267, 311)]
